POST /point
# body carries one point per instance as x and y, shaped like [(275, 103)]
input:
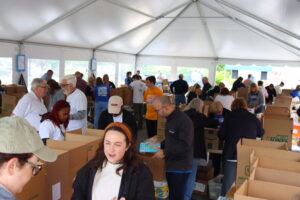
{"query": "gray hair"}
[(196, 104), (36, 82), (71, 79)]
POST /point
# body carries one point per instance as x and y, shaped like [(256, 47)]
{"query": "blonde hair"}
[(196, 104), (216, 107)]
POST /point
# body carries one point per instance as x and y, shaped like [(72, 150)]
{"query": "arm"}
[(184, 141), (186, 87), (145, 187), (171, 87), (79, 115), (80, 185)]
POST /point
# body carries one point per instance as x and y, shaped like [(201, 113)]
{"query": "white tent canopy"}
[(213, 30)]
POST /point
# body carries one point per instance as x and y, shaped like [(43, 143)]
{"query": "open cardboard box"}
[(58, 183), (89, 131), (284, 101), (277, 164), (260, 190), (77, 155), (275, 176), (244, 149), (91, 142), (156, 165)]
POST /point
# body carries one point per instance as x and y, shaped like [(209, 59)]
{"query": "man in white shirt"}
[(31, 105), (278, 88), (78, 103), (138, 98)]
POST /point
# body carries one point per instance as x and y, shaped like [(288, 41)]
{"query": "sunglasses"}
[(35, 168)]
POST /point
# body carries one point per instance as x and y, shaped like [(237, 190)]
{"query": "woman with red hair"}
[(54, 124)]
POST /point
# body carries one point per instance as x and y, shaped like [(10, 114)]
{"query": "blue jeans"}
[(179, 98), (177, 185), (191, 180), (229, 176), (100, 106)]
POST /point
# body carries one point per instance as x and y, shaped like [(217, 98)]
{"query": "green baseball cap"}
[(17, 136)]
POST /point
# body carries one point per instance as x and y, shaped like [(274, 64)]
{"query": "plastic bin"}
[(161, 189), (215, 186)]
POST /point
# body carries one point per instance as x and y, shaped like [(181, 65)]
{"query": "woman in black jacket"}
[(115, 173), (195, 92), (239, 124), (194, 111)]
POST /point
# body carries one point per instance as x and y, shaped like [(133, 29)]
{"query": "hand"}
[(159, 154), (154, 139), (120, 199)]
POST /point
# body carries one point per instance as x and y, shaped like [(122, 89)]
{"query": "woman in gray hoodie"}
[(255, 99)]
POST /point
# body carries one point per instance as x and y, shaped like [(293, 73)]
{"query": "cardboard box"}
[(260, 190), (283, 101), (91, 143), (244, 149), (161, 122), (211, 138), (201, 187), (156, 166), (124, 92), (287, 92), (9, 102), (77, 155), (161, 134), (277, 164), (205, 175), (35, 189), (58, 183), (90, 132), (277, 111), (243, 93), (275, 176), (278, 125)]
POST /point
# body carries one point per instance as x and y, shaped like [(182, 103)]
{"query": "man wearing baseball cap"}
[(21, 151), (116, 113)]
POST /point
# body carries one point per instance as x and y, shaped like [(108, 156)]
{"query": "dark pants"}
[(177, 185), (179, 99), (229, 176), (151, 127), (138, 113)]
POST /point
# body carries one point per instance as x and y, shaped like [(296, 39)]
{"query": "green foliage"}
[(224, 76)]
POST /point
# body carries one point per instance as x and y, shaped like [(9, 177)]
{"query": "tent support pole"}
[(59, 19), (244, 12), (171, 22)]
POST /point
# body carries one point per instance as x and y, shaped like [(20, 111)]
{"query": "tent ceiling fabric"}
[(238, 29)]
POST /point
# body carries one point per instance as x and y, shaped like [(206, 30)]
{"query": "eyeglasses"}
[(45, 87), (35, 168), (64, 85)]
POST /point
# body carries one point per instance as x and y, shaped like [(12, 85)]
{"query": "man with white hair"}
[(78, 102), (31, 105)]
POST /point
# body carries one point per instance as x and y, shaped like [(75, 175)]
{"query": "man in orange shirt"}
[(149, 96)]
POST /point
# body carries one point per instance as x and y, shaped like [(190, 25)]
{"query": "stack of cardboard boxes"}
[(55, 180), (204, 174), (266, 170), (13, 93), (125, 92)]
